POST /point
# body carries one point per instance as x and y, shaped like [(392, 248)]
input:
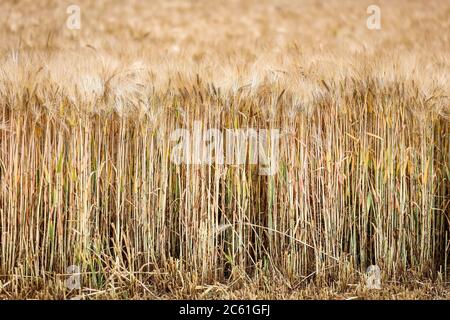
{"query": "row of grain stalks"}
[(362, 178)]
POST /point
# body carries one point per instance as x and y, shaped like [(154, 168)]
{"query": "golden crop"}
[(86, 177)]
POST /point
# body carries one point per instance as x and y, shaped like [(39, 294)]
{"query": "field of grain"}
[(92, 204)]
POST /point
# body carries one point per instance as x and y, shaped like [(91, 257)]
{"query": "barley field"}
[(93, 205)]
